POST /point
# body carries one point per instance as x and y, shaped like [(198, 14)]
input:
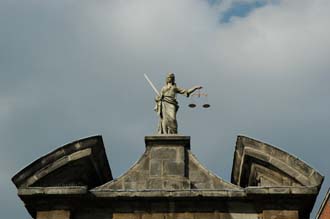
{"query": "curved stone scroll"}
[(80, 163), (260, 164)]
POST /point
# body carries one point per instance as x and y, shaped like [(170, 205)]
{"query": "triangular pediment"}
[(167, 164)]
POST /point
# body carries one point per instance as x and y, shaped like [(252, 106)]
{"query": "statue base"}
[(167, 141)]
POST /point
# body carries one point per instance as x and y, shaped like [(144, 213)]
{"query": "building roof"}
[(79, 163), (260, 164), (79, 173)]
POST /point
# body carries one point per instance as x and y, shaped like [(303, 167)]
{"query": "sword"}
[(152, 85)]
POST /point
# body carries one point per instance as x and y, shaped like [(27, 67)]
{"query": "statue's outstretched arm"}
[(193, 89), (187, 92)]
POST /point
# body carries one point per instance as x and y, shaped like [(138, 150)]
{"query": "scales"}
[(192, 104), (199, 95)]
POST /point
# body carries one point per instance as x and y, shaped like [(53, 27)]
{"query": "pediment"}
[(167, 164), (79, 163), (260, 164)]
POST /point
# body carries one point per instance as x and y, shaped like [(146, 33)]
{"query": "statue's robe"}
[(167, 107)]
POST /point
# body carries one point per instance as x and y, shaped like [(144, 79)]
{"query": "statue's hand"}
[(157, 98), (198, 87)]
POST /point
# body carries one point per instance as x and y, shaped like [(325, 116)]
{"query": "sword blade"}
[(151, 84)]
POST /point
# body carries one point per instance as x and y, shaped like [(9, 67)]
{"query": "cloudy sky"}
[(74, 68)]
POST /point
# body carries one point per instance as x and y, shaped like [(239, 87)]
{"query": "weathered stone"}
[(172, 160), (163, 153), (82, 162), (117, 185), (126, 216), (156, 168), (280, 214), (136, 176), (145, 164), (169, 182), (167, 141), (130, 185), (155, 184), (173, 168), (186, 215), (57, 214), (249, 151), (62, 190), (94, 214), (176, 184)]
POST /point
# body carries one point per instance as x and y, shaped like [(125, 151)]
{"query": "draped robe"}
[(167, 107)]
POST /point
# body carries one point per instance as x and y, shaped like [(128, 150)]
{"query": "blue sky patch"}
[(241, 9)]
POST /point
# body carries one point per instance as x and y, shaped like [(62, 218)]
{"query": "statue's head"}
[(170, 78)]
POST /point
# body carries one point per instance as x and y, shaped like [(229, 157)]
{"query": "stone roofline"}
[(85, 155), (186, 193), (257, 163), (167, 169)]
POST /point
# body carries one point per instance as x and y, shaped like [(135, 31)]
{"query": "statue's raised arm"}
[(167, 105)]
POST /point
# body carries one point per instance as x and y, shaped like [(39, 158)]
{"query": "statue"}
[(167, 105)]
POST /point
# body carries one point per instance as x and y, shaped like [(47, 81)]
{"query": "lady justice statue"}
[(167, 105)]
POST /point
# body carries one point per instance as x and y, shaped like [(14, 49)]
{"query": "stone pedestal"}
[(168, 155), (167, 141)]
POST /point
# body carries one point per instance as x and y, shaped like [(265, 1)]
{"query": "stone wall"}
[(268, 214), (187, 215), (182, 215), (168, 182)]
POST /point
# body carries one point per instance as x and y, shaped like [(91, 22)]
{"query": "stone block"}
[(136, 176), (180, 155), (155, 168), (93, 214), (117, 185), (198, 176), (163, 153), (280, 214), (155, 184), (257, 154), (130, 185), (154, 216), (56, 214), (205, 215), (279, 190), (185, 215), (173, 168), (145, 164), (201, 185), (126, 216), (171, 184)]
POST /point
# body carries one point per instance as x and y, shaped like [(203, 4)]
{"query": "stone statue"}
[(167, 105)]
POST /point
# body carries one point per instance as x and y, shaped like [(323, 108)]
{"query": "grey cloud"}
[(70, 69)]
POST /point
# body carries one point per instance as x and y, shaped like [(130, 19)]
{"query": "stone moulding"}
[(59, 190), (167, 164), (80, 163), (260, 164), (167, 178)]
